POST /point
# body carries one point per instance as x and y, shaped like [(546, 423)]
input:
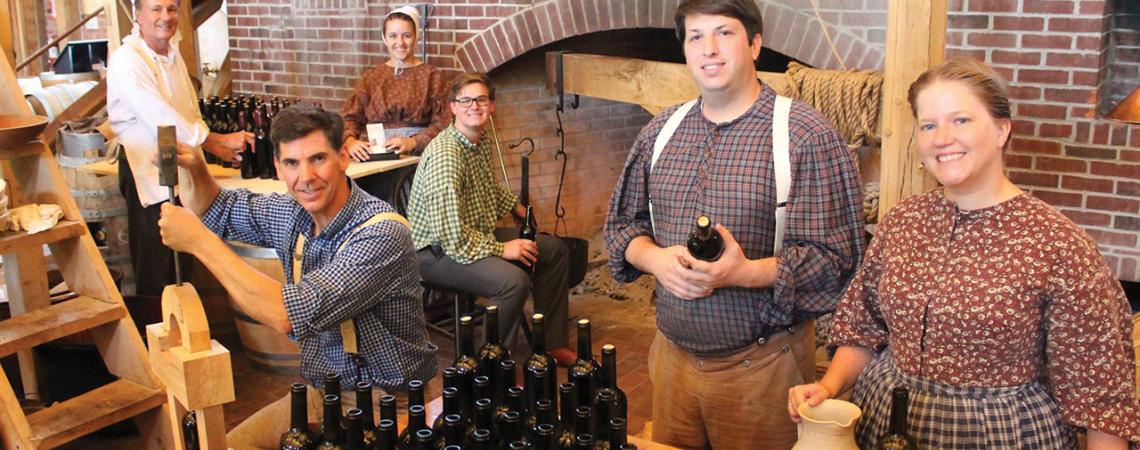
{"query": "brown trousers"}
[(737, 401)]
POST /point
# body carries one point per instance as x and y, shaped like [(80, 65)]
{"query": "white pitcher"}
[(829, 426)]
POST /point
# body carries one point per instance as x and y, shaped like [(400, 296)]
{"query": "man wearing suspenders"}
[(352, 299), (734, 334)]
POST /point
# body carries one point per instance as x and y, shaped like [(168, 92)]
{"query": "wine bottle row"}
[(244, 113), (484, 407)]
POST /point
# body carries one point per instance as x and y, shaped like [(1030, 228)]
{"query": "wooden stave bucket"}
[(267, 349)]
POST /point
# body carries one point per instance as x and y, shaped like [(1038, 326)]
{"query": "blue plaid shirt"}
[(373, 279)]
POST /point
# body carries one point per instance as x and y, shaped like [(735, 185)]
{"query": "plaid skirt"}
[(942, 416)]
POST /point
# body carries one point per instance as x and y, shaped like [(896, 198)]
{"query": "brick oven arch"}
[(786, 30)]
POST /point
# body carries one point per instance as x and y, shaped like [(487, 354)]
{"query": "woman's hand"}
[(400, 145), (812, 394), (357, 148)]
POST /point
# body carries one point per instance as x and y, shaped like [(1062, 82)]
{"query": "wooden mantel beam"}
[(916, 41), (654, 85)]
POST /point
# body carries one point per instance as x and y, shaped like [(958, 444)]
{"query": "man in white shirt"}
[(147, 86)]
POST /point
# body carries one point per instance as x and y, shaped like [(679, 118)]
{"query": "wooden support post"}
[(910, 25), (25, 277), (67, 13), (119, 20), (6, 34), (31, 27), (188, 46)]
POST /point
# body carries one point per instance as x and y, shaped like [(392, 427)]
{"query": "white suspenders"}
[(781, 160), (347, 328)]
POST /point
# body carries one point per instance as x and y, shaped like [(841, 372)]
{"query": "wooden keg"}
[(268, 349), (54, 99)]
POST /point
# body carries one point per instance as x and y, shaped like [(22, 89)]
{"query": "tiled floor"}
[(628, 324)]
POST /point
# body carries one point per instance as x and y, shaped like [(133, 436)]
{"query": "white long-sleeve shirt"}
[(145, 90)]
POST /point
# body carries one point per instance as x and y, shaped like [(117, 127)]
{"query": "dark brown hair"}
[(470, 78), (986, 84), (399, 16), (743, 10), (300, 120)]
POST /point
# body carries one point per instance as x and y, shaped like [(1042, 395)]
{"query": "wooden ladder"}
[(34, 176)]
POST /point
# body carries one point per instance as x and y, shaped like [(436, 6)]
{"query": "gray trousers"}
[(508, 286)]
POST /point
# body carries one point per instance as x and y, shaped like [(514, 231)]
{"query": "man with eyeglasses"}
[(453, 208)]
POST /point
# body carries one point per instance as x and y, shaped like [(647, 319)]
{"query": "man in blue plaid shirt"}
[(352, 299)]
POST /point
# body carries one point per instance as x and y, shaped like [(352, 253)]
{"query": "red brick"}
[(1019, 23), (968, 21), (1055, 130), (1119, 135), (1130, 155), (1024, 127), (1117, 204), (993, 5), (1048, 6), (1025, 92), (1092, 7), (1113, 238), (1013, 161), (1012, 57), (1036, 146), (1100, 134), (1083, 112), (1086, 218), (1067, 95), (1046, 41), (1089, 43), (1034, 179), (1061, 165), (1127, 223), (1083, 78), (987, 39), (1059, 199), (1090, 152), (1071, 25), (1116, 170), (1128, 188), (1084, 130), (1073, 60), (1043, 76), (1084, 184), (1041, 111)]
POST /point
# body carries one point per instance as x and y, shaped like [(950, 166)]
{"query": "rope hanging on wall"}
[(849, 99)]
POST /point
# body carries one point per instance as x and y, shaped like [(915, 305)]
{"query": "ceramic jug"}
[(829, 426)]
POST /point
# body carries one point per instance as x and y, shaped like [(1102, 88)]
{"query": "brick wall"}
[(1121, 55), (1052, 51), (1089, 168)]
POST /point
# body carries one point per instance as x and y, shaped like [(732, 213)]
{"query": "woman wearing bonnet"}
[(404, 93)]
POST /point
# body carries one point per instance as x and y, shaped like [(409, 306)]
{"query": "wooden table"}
[(231, 178)]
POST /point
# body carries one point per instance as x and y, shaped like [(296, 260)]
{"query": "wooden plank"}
[(204, 9), (56, 321), (118, 16), (6, 34), (11, 98), (31, 27), (14, 428), (67, 13), (91, 411), (17, 240), (26, 284), (33, 148), (188, 46), (86, 106), (916, 37), (654, 85)]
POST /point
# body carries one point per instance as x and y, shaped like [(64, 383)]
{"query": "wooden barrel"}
[(54, 99), (268, 349)]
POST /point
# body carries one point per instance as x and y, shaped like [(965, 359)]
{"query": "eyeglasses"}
[(465, 102)]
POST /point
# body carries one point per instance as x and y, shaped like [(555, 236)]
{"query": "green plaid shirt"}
[(455, 201)]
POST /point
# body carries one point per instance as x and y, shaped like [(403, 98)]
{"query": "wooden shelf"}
[(91, 411), (55, 321), (17, 240)]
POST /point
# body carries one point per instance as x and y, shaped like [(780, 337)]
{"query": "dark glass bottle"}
[(513, 403), (249, 167), (484, 419), (482, 389), (493, 351), (504, 381), (298, 437), (386, 435), (452, 432), (618, 436), (527, 231), (416, 422), (190, 430), (564, 433), (543, 415), (601, 419), (331, 434), (423, 440), (541, 357), (583, 423), (705, 242), (388, 408), (354, 430), (466, 365), (450, 406), (544, 437), (481, 440), (584, 442), (367, 417), (511, 429), (535, 377), (263, 148), (332, 388), (584, 372), (415, 393), (897, 437), (608, 383)]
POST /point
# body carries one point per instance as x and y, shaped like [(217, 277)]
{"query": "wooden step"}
[(18, 240), (56, 321), (91, 411)]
